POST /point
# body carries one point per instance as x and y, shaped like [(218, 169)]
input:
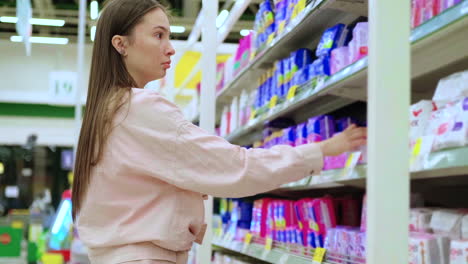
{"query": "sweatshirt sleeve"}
[(162, 144)]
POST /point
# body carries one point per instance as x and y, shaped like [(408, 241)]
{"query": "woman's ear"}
[(120, 44)]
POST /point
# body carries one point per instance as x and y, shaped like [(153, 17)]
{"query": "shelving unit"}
[(431, 61), (437, 48), (280, 253)]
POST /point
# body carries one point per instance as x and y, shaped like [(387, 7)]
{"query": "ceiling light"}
[(42, 40), (222, 18), (94, 10), (35, 21), (93, 33), (244, 32), (177, 29)]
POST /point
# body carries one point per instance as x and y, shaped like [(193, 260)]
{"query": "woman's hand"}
[(350, 139)]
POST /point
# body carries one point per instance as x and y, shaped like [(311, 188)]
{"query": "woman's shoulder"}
[(149, 100)]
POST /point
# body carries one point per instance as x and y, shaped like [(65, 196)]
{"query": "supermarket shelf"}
[(279, 254), (306, 29), (431, 61), (441, 164)]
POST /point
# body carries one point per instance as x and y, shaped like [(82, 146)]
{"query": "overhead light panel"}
[(93, 33), (222, 18), (35, 21), (94, 10), (41, 40), (177, 29), (244, 32)]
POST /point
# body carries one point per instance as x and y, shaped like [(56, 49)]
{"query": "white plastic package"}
[(452, 87), (459, 252), (450, 125), (420, 220), (447, 223), (420, 114)]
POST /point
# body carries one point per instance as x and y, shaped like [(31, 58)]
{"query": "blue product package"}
[(286, 74), (329, 40), (322, 66), (302, 76), (279, 78), (312, 71), (300, 58), (280, 14)]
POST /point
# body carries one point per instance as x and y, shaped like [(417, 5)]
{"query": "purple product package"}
[(320, 128), (289, 136), (301, 134), (343, 123)]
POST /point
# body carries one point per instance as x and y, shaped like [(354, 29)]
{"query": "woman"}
[(142, 171)]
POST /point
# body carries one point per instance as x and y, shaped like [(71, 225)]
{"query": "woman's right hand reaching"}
[(350, 139)]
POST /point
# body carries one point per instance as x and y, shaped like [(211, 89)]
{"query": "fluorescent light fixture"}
[(94, 10), (93, 33), (42, 40), (35, 21), (244, 32), (177, 29), (222, 18)]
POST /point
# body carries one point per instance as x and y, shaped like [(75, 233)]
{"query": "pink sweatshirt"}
[(145, 199)]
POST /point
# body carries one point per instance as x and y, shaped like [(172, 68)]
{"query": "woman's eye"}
[(159, 35)]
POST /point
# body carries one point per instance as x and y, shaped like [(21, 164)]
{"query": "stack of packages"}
[(443, 122), (438, 236), (305, 222), (339, 47), (314, 130), (236, 217), (424, 10), (273, 17)]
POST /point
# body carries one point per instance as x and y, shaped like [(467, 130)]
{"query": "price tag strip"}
[(268, 247), (247, 240), (351, 163), (319, 255), (420, 151)]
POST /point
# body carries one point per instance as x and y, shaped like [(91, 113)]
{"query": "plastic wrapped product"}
[(322, 66), (452, 87), (420, 220), (329, 40), (447, 223), (424, 249), (459, 252), (339, 59), (301, 134), (420, 114), (361, 39)]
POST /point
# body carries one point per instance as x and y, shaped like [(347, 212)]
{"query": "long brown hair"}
[(109, 84)]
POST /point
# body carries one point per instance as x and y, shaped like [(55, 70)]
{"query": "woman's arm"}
[(178, 152)]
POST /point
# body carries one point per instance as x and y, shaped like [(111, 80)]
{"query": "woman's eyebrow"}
[(162, 27)]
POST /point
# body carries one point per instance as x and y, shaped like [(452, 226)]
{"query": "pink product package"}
[(324, 212), (245, 56), (335, 162), (416, 7), (339, 59), (459, 252), (352, 54), (360, 38)]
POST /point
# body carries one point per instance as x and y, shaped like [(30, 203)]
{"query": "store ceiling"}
[(184, 14)]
